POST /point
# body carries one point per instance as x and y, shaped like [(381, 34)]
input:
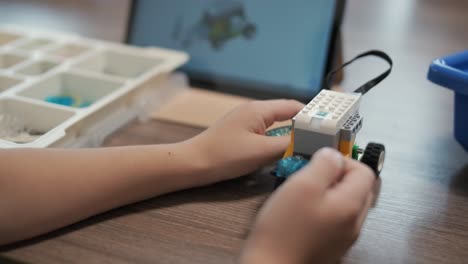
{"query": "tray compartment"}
[(120, 64), (23, 122), (6, 37), (37, 67), (68, 50), (7, 82), (8, 59), (71, 89), (34, 44)]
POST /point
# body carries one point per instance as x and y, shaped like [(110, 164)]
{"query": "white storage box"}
[(64, 90)]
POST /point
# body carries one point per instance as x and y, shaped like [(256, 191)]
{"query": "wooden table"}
[(422, 212)]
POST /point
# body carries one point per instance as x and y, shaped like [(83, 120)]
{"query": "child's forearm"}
[(41, 190)]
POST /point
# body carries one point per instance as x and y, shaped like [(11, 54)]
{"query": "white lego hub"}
[(331, 119), (327, 112)]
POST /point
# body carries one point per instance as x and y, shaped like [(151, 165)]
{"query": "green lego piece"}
[(354, 153)]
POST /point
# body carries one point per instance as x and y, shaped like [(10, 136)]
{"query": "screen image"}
[(280, 46)]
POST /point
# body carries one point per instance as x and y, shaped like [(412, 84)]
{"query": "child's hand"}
[(237, 145), (316, 215)]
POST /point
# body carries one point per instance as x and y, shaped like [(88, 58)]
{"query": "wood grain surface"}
[(422, 212)]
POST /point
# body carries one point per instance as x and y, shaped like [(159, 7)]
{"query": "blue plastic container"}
[(452, 72)]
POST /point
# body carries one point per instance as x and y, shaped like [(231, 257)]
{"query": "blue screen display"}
[(278, 44)]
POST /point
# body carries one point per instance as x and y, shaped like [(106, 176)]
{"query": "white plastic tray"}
[(114, 83)]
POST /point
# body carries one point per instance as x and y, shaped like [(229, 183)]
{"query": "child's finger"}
[(277, 110), (367, 204), (326, 167), (275, 144), (356, 184)]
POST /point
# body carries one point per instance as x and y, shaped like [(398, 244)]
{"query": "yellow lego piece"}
[(290, 150), (346, 147)]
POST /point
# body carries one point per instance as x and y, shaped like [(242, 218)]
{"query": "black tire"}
[(374, 157)]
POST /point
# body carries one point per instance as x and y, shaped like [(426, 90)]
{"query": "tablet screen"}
[(272, 45)]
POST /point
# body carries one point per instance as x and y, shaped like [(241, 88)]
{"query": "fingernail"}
[(329, 153)]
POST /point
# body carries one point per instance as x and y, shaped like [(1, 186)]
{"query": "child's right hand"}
[(316, 215)]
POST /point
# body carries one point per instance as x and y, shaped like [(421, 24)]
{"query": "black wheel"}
[(374, 157)]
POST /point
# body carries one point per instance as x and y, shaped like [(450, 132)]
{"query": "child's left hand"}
[(236, 145)]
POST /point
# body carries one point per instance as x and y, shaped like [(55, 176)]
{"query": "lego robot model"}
[(220, 22), (331, 119)]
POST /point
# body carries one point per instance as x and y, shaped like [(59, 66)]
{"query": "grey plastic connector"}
[(351, 127)]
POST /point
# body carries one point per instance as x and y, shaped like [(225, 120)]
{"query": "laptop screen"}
[(271, 45)]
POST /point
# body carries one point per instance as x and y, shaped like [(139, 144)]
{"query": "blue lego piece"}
[(61, 100), (289, 165), (84, 104), (67, 101), (452, 72), (280, 131)]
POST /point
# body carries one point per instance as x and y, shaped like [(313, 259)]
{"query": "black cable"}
[(368, 85)]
